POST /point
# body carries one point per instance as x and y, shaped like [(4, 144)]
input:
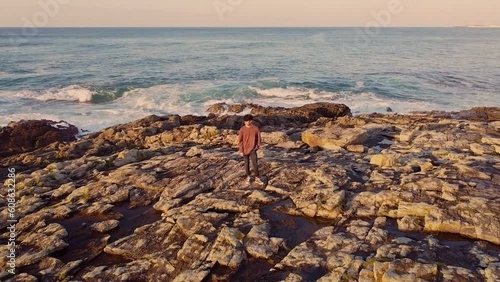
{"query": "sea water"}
[(98, 77)]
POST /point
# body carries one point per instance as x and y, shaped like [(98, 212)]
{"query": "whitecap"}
[(289, 92), (74, 93)]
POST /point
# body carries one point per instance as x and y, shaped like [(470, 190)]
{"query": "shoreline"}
[(82, 132)]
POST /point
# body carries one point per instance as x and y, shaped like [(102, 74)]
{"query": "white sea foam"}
[(186, 99), (160, 99), (5, 119), (60, 125), (74, 93), (368, 102), (289, 92), (364, 102)]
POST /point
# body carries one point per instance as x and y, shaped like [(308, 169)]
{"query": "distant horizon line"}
[(48, 27)]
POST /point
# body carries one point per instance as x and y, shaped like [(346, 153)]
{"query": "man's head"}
[(247, 119)]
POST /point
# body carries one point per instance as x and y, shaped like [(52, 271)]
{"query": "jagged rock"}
[(292, 277), (492, 272), (380, 221), (480, 149), (257, 242), (481, 114), (42, 242), (426, 166), (149, 239), (61, 212), (219, 108), (308, 113), (411, 174), (470, 172), (333, 138), (192, 275), (156, 269), (391, 271), (385, 160), (393, 276), (28, 135), (490, 140), (195, 248), (69, 269), (274, 138), (63, 190), (105, 226), (98, 208), (49, 266), (321, 203), (23, 277), (209, 131), (228, 249), (484, 227), (191, 223), (497, 149), (411, 223), (131, 156), (291, 145), (332, 276), (453, 273), (356, 148), (194, 151)]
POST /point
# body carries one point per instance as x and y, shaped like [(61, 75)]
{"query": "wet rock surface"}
[(28, 135), (380, 197)]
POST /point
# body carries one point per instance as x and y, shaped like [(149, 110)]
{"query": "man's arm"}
[(259, 139), (240, 142)]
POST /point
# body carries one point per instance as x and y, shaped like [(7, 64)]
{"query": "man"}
[(249, 142)]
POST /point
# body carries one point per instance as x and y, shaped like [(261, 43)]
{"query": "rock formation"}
[(379, 197), (28, 135)]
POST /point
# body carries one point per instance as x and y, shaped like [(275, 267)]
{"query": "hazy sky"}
[(248, 12)]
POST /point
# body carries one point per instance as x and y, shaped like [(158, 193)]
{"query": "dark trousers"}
[(253, 157)]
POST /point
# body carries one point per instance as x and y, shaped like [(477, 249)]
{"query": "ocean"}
[(98, 77)]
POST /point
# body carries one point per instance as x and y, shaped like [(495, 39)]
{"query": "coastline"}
[(372, 195), (480, 26)]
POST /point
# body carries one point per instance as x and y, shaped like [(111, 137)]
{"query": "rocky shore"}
[(379, 197)]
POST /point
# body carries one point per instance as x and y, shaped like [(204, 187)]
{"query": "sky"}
[(247, 13)]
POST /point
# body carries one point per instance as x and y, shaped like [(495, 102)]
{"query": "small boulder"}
[(274, 138), (194, 151), (356, 148), (385, 160), (105, 226)]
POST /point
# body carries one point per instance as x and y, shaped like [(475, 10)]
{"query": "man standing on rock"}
[(249, 142)]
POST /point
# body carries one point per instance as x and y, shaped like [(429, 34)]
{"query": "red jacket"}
[(249, 139)]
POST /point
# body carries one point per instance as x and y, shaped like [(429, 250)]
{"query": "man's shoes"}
[(248, 180), (258, 181)]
